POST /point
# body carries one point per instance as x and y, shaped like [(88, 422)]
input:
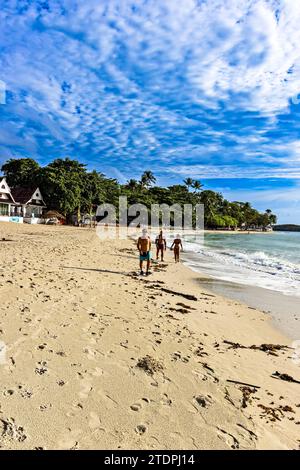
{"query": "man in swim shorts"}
[(144, 247), (161, 245)]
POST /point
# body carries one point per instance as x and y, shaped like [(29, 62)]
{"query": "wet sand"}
[(284, 309)]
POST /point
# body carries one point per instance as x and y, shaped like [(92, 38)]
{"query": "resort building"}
[(20, 204), (6, 201), (29, 204)]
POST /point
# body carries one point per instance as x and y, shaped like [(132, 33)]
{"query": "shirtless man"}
[(144, 247), (161, 245), (177, 245)]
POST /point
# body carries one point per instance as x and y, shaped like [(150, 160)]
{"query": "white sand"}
[(75, 326)]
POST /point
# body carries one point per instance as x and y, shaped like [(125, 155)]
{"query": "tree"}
[(197, 186), (212, 202), (112, 191), (234, 209), (147, 179), (188, 182), (63, 185), (93, 192), (230, 222), (216, 221), (69, 188), (132, 185), (21, 172)]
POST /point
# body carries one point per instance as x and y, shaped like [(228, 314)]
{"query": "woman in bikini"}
[(177, 246), (161, 245)]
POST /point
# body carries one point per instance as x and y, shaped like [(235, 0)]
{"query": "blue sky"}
[(208, 89)]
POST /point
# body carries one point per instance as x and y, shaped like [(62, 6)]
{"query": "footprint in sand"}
[(177, 356), (136, 407), (24, 392), (97, 372), (11, 431), (166, 400), (86, 389), (230, 440), (141, 429), (94, 421), (139, 405), (42, 368), (87, 381), (203, 401), (201, 376), (70, 442), (45, 407)]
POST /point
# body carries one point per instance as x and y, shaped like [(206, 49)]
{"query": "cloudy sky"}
[(201, 88)]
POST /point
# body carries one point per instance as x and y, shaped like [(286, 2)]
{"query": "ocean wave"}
[(255, 260), (253, 268)]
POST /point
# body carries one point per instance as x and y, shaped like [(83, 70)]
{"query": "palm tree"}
[(147, 179), (272, 217), (197, 185), (188, 182), (132, 184)]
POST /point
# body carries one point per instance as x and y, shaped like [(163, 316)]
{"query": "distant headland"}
[(287, 228)]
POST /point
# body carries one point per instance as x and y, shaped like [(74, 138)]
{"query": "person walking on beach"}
[(177, 246), (161, 245), (144, 247)]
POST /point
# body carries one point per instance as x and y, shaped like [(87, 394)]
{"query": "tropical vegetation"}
[(70, 188)]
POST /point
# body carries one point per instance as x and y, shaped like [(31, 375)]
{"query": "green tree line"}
[(69, 188)]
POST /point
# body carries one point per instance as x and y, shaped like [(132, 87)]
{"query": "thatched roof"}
[(52, 214)]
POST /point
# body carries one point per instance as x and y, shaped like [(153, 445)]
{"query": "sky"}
[(208, 89)]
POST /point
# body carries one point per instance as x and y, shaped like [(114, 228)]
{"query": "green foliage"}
[(21, 172), (68, 187), (147, 179), (93, 191), (63, 185)]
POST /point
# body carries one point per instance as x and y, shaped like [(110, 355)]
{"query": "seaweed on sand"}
[(149, 365)]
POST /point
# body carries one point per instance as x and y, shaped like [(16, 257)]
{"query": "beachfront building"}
[(29, 204), (20, 204), (7, 202)]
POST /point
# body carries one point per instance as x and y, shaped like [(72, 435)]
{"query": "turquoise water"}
[(269, 260)]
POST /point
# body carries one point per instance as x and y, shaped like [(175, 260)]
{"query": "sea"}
[(267, 260), (262, 270)]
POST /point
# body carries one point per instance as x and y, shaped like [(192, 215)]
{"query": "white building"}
[(29, 204), (20, 204), (6, 201)]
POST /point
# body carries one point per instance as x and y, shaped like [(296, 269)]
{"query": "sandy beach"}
[(94, 357)]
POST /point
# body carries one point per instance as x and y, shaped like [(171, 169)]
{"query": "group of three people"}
[(144, 247)]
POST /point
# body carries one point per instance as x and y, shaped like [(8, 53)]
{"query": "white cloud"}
[(134, 71), (234, 171)]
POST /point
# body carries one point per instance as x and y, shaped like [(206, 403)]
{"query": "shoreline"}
[(239, 232), (268, 301), (273, 303), (81, 327)]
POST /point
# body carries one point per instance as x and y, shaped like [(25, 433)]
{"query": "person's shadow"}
[(96, 270)]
